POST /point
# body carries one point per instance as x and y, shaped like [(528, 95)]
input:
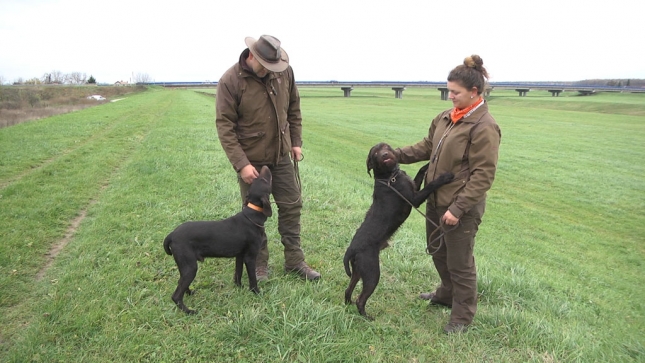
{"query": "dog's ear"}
[(370, 161), (266, 206), (420, 177)]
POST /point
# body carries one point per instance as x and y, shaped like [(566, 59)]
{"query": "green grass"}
[(560, 253)]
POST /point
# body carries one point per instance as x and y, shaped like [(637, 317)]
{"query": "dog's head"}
[(260, 190), (382, 160)]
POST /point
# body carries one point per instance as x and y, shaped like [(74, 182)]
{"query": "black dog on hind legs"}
[(386, 214), (239, 236)]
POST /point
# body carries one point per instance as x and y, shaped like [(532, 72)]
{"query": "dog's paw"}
[(445, 177), (191, 312), (348, 298)]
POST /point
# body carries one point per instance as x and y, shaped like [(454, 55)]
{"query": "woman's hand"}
[(449, 219)]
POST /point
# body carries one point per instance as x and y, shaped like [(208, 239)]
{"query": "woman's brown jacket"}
[(469, 150)]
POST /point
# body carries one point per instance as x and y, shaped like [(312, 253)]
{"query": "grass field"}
[(86, 199)]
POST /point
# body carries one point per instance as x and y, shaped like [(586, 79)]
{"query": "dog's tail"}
[(166, 244), (349, 255)]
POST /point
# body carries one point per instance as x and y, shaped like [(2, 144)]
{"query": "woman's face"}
[(460, 96)]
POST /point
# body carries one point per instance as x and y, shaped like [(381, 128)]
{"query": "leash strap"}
[(407, 201), (441, 240), (437, 227), (296, 170), (247, 217)]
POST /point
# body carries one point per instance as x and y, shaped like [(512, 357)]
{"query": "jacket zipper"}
[(273, 99), (436, 156), (440, 144)]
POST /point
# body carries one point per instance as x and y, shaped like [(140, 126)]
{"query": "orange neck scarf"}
[(457, 114)]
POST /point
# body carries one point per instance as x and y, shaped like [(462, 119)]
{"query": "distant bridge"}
[(522, 87)]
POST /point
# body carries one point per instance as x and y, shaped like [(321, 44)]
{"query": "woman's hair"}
[(470, 74)]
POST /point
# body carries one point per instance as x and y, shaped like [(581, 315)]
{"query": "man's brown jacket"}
[(258, 120)]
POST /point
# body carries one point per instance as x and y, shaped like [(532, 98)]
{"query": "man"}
[(259, 123)]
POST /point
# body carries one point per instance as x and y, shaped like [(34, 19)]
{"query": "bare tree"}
[(142, 78), (46, 78), (57, 77), (2, 80), (76, 78)]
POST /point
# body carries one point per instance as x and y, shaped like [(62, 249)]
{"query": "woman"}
[(465, 141)]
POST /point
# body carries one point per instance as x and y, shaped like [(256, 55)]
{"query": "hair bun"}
[(474, 61)]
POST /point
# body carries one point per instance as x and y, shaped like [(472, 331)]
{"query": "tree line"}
[(73, 78)]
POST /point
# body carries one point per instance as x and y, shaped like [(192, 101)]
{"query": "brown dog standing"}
[(386, 214), (239, 236)]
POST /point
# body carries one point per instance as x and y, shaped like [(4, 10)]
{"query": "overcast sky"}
[(346, 40)]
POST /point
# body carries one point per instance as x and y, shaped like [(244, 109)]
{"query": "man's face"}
[(257, 68)]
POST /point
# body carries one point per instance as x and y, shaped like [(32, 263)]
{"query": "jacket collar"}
[(473, 118)]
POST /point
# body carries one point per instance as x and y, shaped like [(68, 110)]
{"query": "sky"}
[(347, 40)]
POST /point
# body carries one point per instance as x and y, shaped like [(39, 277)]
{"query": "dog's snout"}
[(385, 154)]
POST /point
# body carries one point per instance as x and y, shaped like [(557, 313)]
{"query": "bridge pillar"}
[(522, 91), (347, 91), (444, 93), (555, 92), (398, 92), (586, 92)]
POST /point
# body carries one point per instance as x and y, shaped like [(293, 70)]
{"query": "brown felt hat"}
[(268, 52)]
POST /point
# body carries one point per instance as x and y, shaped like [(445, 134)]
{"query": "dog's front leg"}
[(421, 174), (249, 261), (423, 194), (237, 278)]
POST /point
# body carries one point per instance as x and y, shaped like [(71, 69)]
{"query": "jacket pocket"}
[(253, 144), (447, 193), (250, 135)]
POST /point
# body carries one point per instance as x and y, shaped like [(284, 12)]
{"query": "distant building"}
[(121, 83)]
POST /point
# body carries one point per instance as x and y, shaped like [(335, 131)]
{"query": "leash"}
[(441, 241), (439, 227), (297, 172), (247, 217), (298, 182)]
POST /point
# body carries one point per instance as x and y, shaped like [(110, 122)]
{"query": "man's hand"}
[(248, 174), (296, 153)]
